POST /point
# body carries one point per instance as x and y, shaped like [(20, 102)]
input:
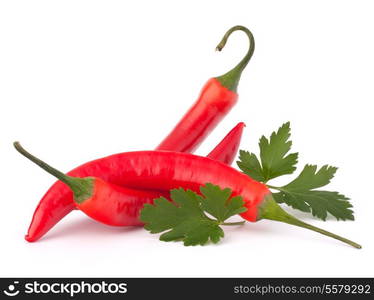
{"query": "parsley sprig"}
[(301, 193), (196, 218), (187, 218)]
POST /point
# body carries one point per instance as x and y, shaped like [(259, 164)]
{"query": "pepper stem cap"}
[(82, 188)]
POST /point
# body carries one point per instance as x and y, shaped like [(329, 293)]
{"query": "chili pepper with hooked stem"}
[(168, 170), (216, 99)]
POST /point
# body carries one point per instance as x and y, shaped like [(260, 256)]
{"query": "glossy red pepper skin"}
[(227, 149), (166, 170), (116, 206), (58, 200), (214, 102)]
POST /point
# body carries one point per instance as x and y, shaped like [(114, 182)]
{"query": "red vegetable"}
[(226, 150), (119, 206), (105, 202), (217, 98), (58, 201), (165, 170)]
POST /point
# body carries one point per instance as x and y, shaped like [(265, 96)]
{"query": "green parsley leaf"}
[(250, 165), (300, 194), (185, 219), (273, 154), (310, 178), (217, 202)]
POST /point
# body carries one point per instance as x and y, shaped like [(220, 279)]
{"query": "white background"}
[(84, 79)]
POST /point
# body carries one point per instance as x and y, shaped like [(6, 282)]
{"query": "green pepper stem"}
[(81, 187), (231, 79), (272, 211)]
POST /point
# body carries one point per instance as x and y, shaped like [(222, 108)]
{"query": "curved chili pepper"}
[(226, 150), (167, 170), (58, 200), (105, 202), (116, 205), (216, 99)]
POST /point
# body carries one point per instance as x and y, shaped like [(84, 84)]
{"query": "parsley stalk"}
[(232, 223), (271, 210)]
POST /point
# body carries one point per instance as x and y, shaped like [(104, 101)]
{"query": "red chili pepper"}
[(105, 202), (58, 201), (168, 170), (216, 99), (226, 150), (98, 203)]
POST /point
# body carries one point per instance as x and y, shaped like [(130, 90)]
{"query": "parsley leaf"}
[(185, 219), (300, 194), (250, 165), (273, 154), (217, 202), (310, 178)]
